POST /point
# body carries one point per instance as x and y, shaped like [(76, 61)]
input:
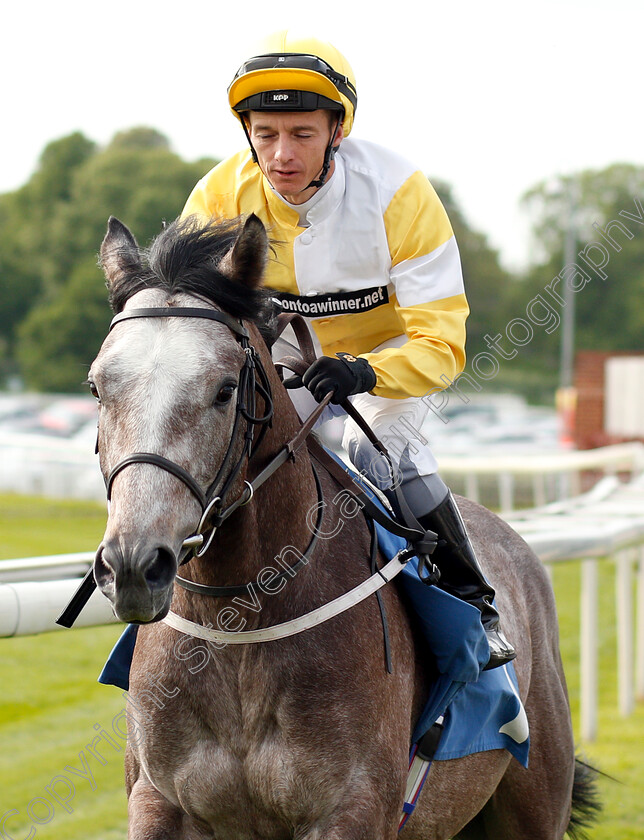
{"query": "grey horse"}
[(306, 737)]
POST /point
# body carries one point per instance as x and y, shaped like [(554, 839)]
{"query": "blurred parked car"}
[(57, 416)]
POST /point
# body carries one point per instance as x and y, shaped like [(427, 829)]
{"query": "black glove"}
[(344, 376)]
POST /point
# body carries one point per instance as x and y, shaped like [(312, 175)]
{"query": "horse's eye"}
[(94, 391), (225, 394)]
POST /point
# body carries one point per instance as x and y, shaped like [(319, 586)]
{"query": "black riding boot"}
[(462, 577)]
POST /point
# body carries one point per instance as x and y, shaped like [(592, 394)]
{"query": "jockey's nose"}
[(283, 151)]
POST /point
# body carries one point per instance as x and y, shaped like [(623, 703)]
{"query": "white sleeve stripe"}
[(431, 277)]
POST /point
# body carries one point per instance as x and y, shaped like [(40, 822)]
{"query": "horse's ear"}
[(246, 260), (119, 254)]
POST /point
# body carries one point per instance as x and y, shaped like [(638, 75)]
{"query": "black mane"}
[(184, 258)]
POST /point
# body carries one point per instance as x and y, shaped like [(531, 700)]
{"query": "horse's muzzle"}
[(138, 582)]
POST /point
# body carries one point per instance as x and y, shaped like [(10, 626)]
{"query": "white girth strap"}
[(296, 625)]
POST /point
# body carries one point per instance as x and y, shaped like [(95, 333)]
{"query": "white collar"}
[(323, 200)]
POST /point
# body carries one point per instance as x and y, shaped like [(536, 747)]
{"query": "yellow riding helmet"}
[(292, 73)]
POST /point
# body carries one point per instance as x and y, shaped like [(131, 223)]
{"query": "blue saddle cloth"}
[(482, 709)]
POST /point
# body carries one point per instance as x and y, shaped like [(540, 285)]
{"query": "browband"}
[(182, 312)]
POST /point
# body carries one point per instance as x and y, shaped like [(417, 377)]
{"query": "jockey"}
[(364, 250)]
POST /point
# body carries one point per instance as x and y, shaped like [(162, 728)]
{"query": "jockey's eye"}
[(225, 393)]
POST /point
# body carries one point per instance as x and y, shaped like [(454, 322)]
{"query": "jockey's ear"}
[(119, 253), (339, 137), (246, 260)]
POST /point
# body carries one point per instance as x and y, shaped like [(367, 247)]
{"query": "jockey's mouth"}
[(284, 173)]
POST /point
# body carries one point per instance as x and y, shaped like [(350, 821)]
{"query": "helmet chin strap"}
[(250, 142), (329, 154)]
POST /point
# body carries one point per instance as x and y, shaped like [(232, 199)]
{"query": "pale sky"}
[(490, 97)]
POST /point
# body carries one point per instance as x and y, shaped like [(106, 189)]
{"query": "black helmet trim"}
[(287, 100), (299, 61)]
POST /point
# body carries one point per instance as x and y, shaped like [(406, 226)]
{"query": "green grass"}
[(619, 747), (48, 707), (34, 527), (50, 700)]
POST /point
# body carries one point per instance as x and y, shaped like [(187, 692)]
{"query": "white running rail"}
[(606, 524)]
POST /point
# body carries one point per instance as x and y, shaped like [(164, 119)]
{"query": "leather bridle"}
[(252, 381)]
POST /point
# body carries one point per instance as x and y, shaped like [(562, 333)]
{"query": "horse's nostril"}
[(161, 569), (103, 572)]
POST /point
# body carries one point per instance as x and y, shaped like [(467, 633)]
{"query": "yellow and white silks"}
[(372, 261)]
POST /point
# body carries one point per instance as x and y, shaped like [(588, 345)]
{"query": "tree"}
[(51, 183), (136, 178), (59, 339), (607, 210), (597, 194), (53, 227), (140, 137), (139, 179), (26, 219)]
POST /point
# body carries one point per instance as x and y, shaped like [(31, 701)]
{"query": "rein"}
[(253, 380), (423, 541)]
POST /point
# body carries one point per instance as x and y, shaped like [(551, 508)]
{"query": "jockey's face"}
[(290, 147)]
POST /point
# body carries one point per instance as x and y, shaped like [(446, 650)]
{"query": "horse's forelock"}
[(187, 253), (186, 257)]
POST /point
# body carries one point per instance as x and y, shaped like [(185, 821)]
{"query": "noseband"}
[(252, 381)]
